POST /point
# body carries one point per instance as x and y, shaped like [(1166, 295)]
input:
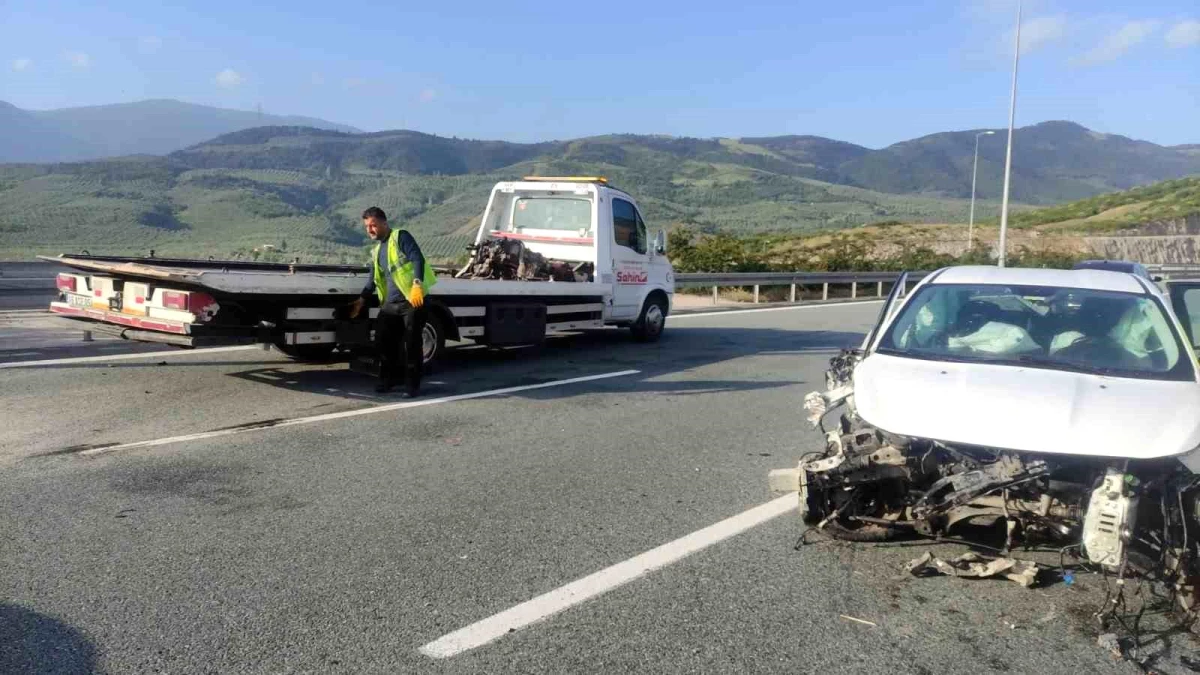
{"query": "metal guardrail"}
[(757, 280), (796, 280), (18, 277)]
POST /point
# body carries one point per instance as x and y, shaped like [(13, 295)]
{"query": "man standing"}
[(400, 291)]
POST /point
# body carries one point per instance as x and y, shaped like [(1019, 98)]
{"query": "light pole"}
[(974, 172), (1012, 111)]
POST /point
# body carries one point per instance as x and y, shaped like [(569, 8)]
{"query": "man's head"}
[(375, 222)]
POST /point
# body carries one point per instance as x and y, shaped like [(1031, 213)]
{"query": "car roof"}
[(1100, 280), (1114, 265)]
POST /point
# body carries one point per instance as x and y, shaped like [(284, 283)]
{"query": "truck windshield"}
[(562, 213), (1074, 329)]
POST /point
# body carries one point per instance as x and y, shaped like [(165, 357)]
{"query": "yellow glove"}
[(416, 297)]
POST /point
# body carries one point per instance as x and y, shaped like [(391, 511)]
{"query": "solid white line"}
[(387, 407), (23, 354), (688, 315), (123, 357), (607, 579)]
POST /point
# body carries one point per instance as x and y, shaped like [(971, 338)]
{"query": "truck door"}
[(631, 271)]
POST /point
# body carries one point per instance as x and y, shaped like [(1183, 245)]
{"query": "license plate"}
[(80, 301)]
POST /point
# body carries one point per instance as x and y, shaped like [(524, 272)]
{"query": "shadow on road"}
[(35, 643), (469, 368)]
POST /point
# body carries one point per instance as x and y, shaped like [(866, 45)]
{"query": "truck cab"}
[(598, 229)]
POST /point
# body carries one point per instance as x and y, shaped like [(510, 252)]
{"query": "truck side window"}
[(628, 229)]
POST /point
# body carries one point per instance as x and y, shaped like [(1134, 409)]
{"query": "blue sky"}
[(856, 71)]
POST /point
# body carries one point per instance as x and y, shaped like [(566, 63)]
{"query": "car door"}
[(1185, 302), (894, 300), (630, 249)]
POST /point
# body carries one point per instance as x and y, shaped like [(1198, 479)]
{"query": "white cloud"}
[(149, 44), (318, 79), (78, 59), (427, 96), (229, 78), (22, 64), (1184, 34), (1116, 44), (1038, 32)]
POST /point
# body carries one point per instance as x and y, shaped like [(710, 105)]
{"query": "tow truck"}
[(551, 255)]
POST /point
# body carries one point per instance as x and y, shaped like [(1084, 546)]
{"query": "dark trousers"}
[(399, 331)]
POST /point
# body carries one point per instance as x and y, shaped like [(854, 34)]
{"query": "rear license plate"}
[(80, 301)]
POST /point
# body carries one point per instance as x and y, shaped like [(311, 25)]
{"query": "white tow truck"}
[(551, 255)]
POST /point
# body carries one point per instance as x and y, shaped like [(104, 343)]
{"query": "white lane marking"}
[(23, 354), (688, 315), (386, 407), (607, 579), (122, 357)]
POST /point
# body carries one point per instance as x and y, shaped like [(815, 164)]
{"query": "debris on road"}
[(974, 565), (862, 621)]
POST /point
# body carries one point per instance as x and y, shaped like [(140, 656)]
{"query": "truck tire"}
[(312, 353), (433, 339), (651, 322)]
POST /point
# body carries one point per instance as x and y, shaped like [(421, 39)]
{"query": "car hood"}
[(1028, 409)]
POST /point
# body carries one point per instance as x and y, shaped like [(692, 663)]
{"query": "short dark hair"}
[(375, 212)]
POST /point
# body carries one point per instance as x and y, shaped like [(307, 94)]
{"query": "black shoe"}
[(409, 393)]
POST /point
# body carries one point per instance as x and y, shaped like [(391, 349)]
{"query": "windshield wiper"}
[(1028, 360)]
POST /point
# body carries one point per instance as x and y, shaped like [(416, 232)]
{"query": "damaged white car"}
[(1062, 404)]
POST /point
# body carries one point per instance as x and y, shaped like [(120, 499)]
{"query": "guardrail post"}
[(714, 295), (825, 291), (793, 292), (879, 289), (853, 290), (756, 294)]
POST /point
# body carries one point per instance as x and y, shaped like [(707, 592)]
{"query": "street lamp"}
[(974, 172), (1012, 111)]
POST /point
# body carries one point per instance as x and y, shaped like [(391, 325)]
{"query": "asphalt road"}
[(349, 542)]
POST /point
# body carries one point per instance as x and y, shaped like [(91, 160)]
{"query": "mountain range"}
[(305, 187), (153, 127)]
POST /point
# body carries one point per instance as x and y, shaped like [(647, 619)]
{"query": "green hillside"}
[(301, 191), (297, 191), (1120, 210)]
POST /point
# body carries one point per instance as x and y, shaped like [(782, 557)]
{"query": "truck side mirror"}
[(660, 242)]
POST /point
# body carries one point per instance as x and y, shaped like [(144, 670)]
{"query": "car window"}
[(1063, 328), (1191, 302), (628, 230)]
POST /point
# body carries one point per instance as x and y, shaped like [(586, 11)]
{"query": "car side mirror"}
[(660, 242)]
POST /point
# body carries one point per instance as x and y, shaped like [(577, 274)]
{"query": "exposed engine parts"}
[(1124, 518), (509, 259)]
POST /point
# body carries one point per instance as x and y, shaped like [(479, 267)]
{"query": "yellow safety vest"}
[(401, 268)]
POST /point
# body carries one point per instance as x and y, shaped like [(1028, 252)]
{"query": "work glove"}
[(416, 297), (355, 308)]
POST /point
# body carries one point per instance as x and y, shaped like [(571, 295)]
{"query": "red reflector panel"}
[(65, 282), (175, 300)]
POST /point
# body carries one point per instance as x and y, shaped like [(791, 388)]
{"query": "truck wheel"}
[(433, 340), (649, 326), (315, 353)]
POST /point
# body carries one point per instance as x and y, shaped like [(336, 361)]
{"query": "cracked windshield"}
[(629, 337)]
